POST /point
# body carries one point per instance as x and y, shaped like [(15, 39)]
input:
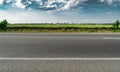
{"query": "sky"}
[(60, 11)]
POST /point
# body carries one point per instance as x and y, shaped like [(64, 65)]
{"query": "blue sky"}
[(60, 11)]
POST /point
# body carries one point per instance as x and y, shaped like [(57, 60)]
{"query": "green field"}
[(62, 25), (61, 28)]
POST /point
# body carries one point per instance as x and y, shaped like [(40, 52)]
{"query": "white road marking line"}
[(117, 38), (53, 59)]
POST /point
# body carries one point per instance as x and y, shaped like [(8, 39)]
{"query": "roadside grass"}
[(36, 28), (62, 25), (69, 31)]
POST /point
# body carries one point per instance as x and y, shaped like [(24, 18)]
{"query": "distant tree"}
[(114, 25), (3, 25), (117, 23)]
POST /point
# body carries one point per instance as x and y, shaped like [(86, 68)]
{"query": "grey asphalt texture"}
[(59, 66), (59, 45)]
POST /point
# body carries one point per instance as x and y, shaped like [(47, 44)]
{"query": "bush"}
[(3, 25), (116, 24)]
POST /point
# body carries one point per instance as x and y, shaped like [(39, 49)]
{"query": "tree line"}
[(116, 24), (3, 25)]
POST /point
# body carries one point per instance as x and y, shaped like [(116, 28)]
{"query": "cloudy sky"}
[(52, 11)]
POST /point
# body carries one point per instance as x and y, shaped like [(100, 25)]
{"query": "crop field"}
[(62, 25), (61, 28)]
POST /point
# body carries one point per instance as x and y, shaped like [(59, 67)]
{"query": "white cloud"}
[(70, 4), (8, 1), (57, 4), (110, 1), (52, 5), (1, 2), (19, 4)]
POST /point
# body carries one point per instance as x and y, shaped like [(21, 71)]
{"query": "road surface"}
[(59, 45), (28, 52)]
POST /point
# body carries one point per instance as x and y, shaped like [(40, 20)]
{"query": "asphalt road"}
[(59, 66), (56, 45), (59, 45)]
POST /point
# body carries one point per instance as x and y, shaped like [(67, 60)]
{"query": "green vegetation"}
[(3, 25), (116, 24), (61, 25), (61, 28)]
